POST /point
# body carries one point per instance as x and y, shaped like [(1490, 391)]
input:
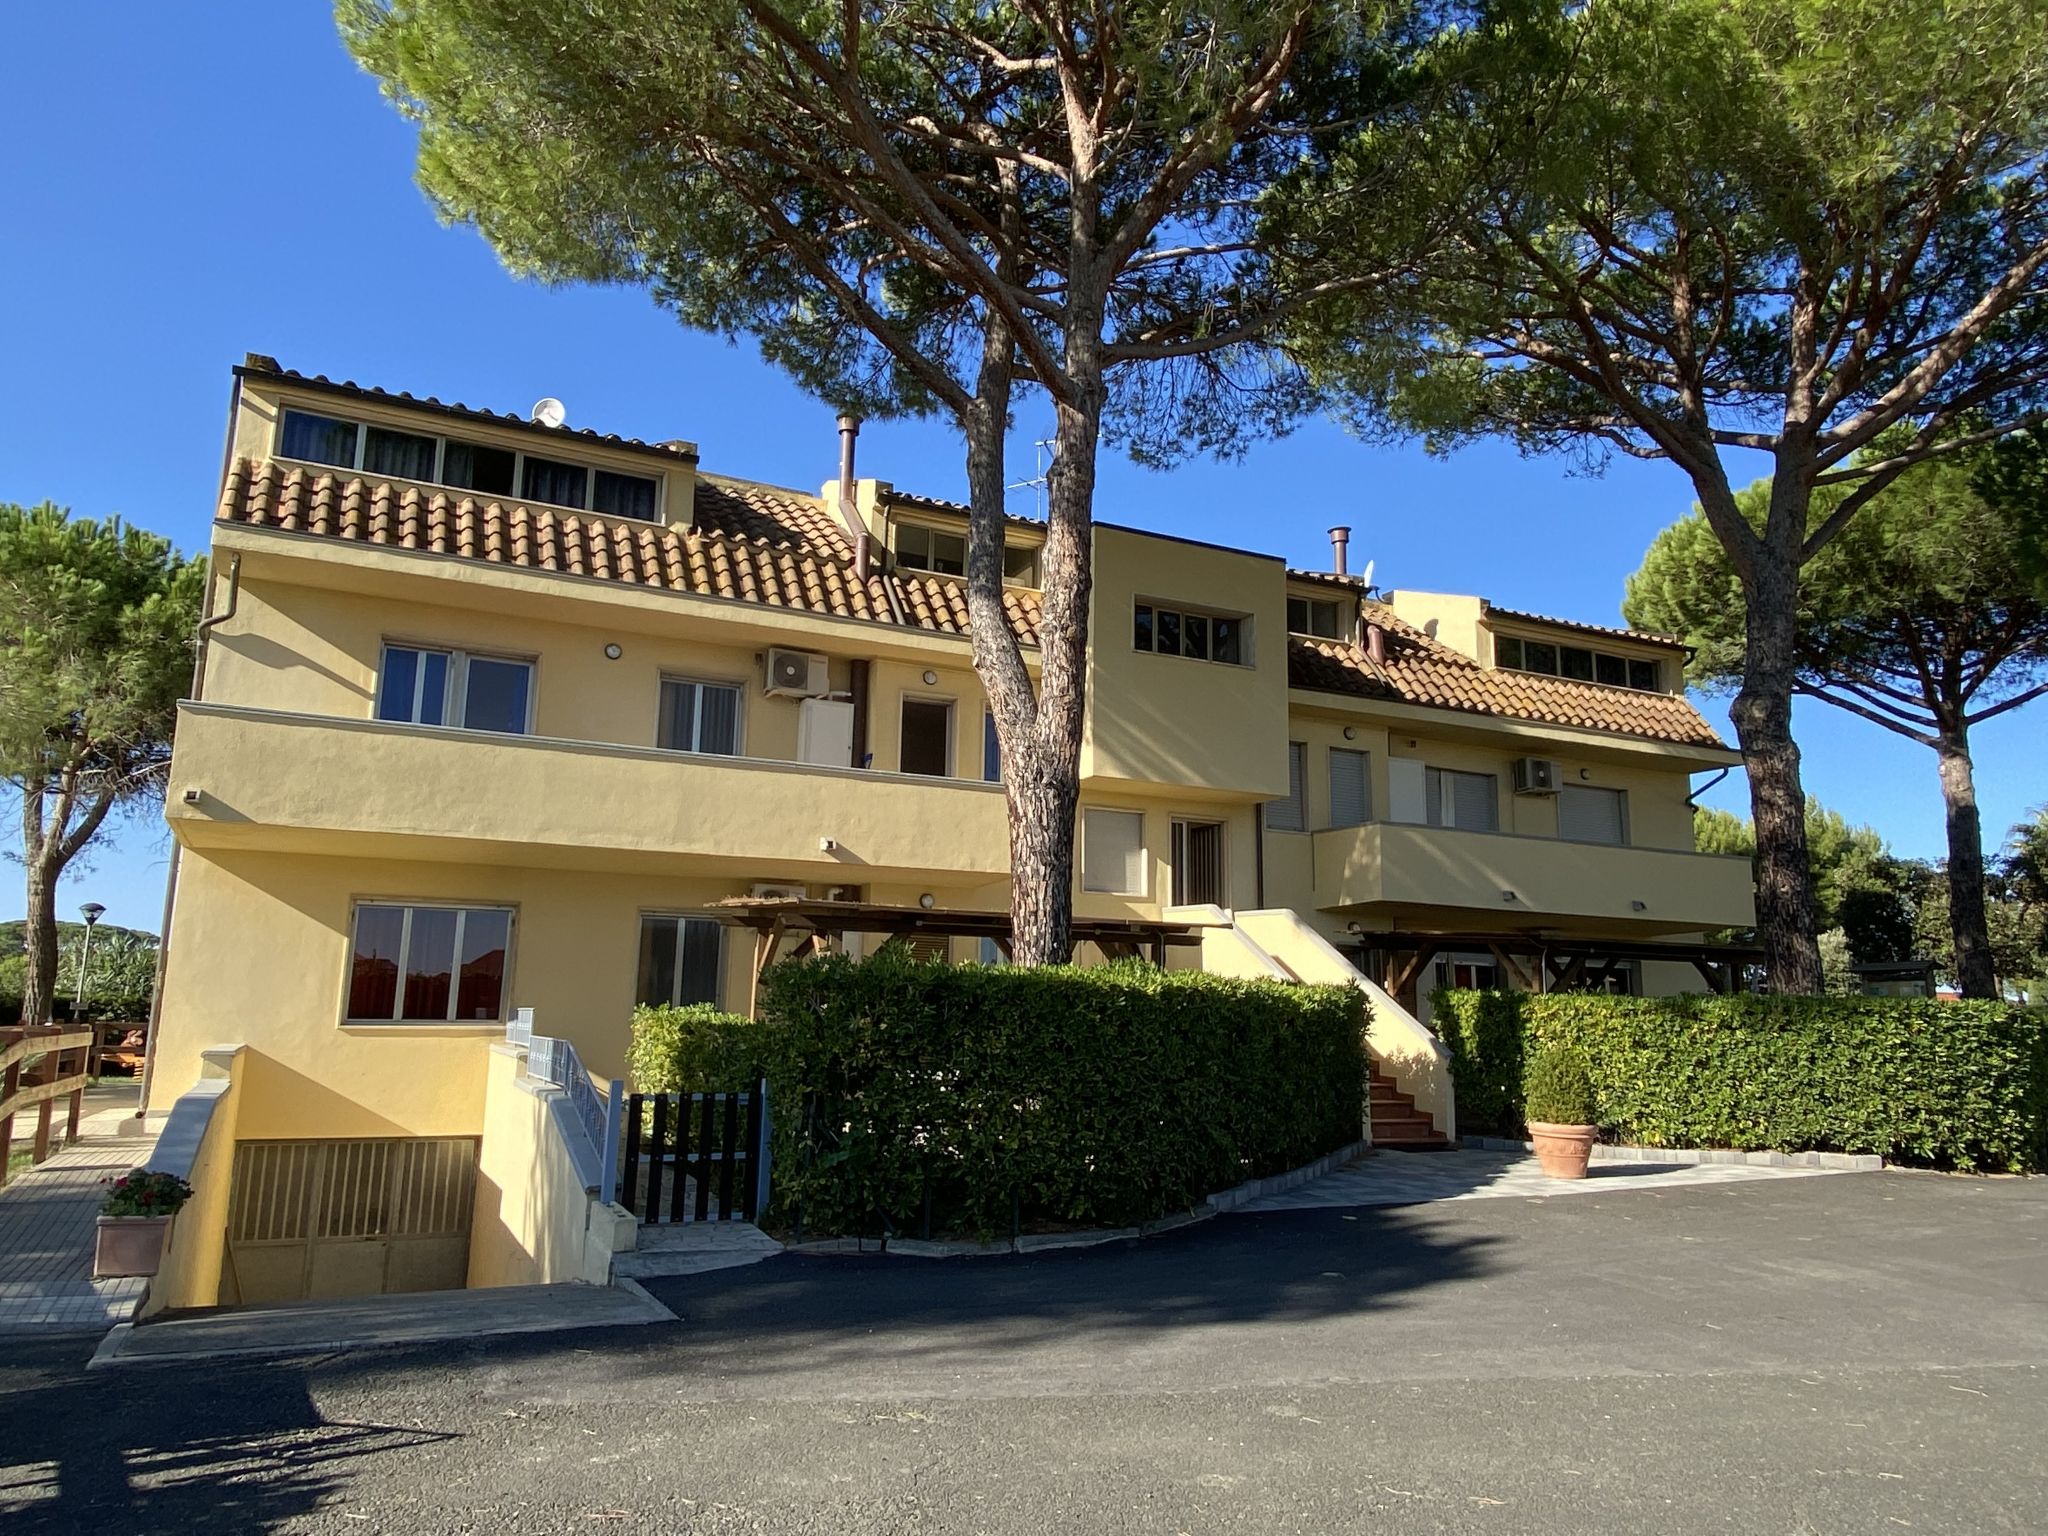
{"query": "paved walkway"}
[(1384, 1177), (46, 1235)]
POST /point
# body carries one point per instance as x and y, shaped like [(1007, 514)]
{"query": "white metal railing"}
[(554, 1061)]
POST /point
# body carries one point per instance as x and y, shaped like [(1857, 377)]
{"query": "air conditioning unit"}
[(796, 674), (1535, 776), (765, 890)]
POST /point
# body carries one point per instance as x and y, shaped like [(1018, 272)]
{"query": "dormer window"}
[(434, 460), (1313, 616), (1579, 663), (919, 548)]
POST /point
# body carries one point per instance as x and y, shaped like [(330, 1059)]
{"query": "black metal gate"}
[(696, 1156)]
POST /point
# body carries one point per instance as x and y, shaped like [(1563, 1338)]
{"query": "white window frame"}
[(363, 424), (455, 704), (739, 723), (952, 706), (1178, 832), (1088, 815), (1336, 618), (461, 909), (930, 533), (675, 985)]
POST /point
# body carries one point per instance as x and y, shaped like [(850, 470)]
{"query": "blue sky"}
[(189, 183)]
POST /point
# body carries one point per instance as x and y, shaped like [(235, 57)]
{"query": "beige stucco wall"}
[(1195, 726), (190, 1273), (533, 1216)]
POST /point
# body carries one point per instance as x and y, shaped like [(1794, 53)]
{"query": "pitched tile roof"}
[(1644, 636), (1419, 670), (739, 510), (706, 562), (257, 366)]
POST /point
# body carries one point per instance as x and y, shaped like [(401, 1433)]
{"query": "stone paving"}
[(46, 1238), (1384, 1177)]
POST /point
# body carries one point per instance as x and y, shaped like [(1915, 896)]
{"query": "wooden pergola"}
[(1554, 964), (823, 926)]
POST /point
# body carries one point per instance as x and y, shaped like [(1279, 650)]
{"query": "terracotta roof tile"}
[(1644, 636), (807, 567), (1418, 670)]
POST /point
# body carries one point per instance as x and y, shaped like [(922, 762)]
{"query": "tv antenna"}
[(1041, 477)]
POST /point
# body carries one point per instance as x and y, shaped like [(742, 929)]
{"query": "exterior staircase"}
[(1397, 1123)]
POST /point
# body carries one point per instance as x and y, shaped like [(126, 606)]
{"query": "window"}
[(991, 750), (1182, 632), (1350, 788), (927, 737), (481, 693), (1586, 814), (318, 439), (699, 717), (1020, 564), (561, 485), (990, 952), (1577, 662), (465, 466), (1468, 801), (681, 960), (1470, 972), (1198, 863), (1312, 616), (931, 549), (1291, 814), (475, 467), (1113, 852), (428, 965)]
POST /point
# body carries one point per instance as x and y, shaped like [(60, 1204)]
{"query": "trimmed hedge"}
[(923, 1095), (693, 1049), (1945, 1084)]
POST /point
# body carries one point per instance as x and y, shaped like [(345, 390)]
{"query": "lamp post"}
[(91, 912)]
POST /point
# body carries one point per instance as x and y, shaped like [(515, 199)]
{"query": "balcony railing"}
[(1526, 880), (243, 777)]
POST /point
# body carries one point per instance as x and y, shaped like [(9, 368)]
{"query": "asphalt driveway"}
[(1852, 1353)]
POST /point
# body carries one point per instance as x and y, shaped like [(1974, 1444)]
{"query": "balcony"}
[(1529, 882), (255, 778)]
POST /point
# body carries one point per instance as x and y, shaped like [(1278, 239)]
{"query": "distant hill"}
[(14, 935)]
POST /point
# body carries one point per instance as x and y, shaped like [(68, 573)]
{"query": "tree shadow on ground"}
[(216, 1447)]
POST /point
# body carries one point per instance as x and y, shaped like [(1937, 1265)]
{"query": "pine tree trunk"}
[(40, 985), (1762, 713), (1976, 975)]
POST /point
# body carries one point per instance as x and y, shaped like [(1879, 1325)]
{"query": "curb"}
[(1839, 1162), (1047, 1242)]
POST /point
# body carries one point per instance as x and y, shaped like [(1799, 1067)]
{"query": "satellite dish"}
[(1366, 579), (549, 412)]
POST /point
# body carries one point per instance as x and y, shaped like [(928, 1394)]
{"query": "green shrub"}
[(139, 1193), (1916, 1080), (920, 1094), (1558, 1087), (693, 1049)]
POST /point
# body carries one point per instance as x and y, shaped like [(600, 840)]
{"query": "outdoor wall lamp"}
[(191, 797), (1507, 895), (931, 679), (613, 651), (927, 901), (1351, 733), (828, 845), (1639, 906)]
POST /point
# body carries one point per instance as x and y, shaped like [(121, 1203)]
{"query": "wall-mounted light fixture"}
[(1351, 733), (191, 797), (931, 679), (613, 651), (1639, 906), (1585, 773), (927, 901), (827, 845), (1507, 895)]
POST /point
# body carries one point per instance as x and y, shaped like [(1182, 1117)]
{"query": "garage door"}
[(348, 1218)]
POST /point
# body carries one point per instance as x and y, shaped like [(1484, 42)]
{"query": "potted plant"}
[(135, 1223), (1558, 1104)]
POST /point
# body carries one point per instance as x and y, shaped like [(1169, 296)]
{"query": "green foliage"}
[(693, 1049), (1858, 886), (1557, 1088), (145, 1194), (1103, 1096), (13, 980), (1946, 1084)]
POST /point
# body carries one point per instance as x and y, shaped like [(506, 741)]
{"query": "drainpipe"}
[(1340, 545), (1692, 801), (163, 944)]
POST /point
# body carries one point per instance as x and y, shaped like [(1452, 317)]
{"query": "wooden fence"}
[(696, 1156), (41, 1066)]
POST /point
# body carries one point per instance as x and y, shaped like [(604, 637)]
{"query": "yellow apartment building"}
[(496, 714)]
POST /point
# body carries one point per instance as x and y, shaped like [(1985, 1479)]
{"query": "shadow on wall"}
[(237, 1449)]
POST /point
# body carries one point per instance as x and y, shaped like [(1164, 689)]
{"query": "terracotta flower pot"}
[(1563, 1150), (125, 1247)]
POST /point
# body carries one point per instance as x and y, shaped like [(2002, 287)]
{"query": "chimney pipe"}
[(1340, 542), (849, 504), (1376, 644)]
